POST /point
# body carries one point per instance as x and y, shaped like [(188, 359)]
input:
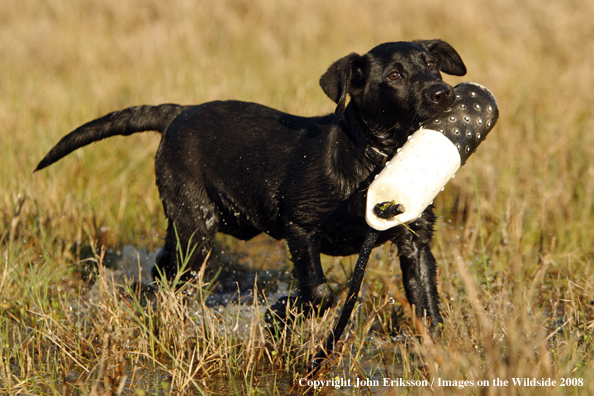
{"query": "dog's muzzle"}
[(432, 155)]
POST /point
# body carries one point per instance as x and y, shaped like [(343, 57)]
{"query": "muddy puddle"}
[(231, 295), (230, 285)]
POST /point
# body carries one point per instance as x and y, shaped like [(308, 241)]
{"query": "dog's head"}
[(394, 86)]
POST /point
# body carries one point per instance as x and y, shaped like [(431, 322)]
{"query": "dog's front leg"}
[(305, 254), (419, 269)]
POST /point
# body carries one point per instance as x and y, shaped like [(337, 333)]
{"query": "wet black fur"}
[(243, 168)]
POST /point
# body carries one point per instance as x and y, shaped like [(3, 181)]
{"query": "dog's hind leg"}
[(419, 268), (193, 223), (184, 249)]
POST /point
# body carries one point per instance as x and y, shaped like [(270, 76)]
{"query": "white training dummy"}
[(431, 156)]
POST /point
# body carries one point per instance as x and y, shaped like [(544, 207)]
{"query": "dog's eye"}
[(431, 65), (395, 76)]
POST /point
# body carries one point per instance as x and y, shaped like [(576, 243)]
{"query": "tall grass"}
[(517, 304)]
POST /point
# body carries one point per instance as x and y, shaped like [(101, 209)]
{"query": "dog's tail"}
[(124, 122)]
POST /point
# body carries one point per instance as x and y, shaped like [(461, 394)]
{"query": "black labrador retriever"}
[(243, 168)]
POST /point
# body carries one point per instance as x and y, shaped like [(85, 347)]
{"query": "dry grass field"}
[(514, 241)]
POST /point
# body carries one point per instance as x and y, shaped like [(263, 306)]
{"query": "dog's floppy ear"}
[(449, 60), (340, 79)]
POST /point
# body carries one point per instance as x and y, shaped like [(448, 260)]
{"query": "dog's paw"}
[(319, 300), (289, 308)]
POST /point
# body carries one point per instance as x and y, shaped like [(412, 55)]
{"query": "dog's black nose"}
[(442, 95)]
